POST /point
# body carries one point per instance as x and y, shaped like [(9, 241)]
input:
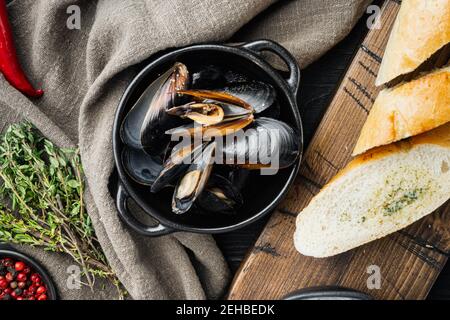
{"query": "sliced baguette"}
[(420, 30), (379, 192), (407, 110)]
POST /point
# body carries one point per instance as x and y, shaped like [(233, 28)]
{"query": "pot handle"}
[(267, 45), (132, 222)]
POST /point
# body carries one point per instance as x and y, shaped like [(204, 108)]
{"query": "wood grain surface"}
[(409, 260)]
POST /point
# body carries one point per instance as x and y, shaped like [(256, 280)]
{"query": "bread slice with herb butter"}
[(407, 110), (378, 193)]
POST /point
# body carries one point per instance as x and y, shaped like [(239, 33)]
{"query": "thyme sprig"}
[(41, 200)]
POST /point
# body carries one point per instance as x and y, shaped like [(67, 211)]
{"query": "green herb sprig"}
[(41, 200)]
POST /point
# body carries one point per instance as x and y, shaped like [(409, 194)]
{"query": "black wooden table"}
[(319, 82)]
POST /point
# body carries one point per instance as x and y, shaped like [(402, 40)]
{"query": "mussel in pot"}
[(203, 113), (141, 167), (210, 112), (176, 165), (145, 124), (268, 143), (209, 77), (219, 113), (193, 181), (232, 76), (258, 95), (215, 77), (217, 130), (202, 95), (220, 196), (157, 120), (223, 126)]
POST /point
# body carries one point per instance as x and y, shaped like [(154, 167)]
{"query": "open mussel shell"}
[(162, 95), (209, 132), (231, 112), (176, 165), (258, 95), (141, 167), (231, 108), (268, 143), (220, 196), (206, 114), (210, 112), (193, 181), (224, 97)]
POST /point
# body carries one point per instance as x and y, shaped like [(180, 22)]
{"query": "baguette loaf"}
[(421, 29), (407, 110), (378, 193)]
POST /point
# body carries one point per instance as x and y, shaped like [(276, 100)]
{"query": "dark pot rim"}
[(327, 293), (51, 288), (250, 52)]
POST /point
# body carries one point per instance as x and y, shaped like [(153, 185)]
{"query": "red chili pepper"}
[(9, 64)]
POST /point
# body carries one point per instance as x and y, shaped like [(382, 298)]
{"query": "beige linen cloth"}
[(84, 73)]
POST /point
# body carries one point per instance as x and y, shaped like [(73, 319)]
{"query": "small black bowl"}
[(262, 192), (10, 253), (327, 293)]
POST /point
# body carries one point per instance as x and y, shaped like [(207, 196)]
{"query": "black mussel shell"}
[(273, 112), (258, 95), (141, 167), (220, 196), (212, 201), (209, 132), (268, 143), (130, 131), (232, 76), (180, 159), (209, 77), (238, 177), (193, 181), (156, 120)]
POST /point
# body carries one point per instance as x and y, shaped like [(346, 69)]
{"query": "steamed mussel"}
[(141, 167), (145, 124), (177, 163), (220, 196), (228, 111), (193, 181), (267, 143)]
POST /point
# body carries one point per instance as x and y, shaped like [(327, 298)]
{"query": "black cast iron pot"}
[(262, 192)]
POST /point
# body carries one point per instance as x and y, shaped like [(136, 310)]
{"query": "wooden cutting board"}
[(409, 261)]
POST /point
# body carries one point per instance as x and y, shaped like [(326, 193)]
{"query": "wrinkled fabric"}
[(85, 72)]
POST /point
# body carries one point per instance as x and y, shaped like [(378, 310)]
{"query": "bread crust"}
[(420, 30), (439, 137), (406, 110)]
